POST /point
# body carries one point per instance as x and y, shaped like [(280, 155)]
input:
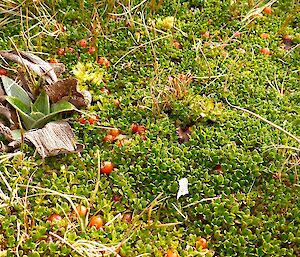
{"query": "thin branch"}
[(202, 200)]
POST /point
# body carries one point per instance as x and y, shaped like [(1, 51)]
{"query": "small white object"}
[(183, 187)]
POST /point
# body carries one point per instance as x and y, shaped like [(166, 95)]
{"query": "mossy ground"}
[(258, 209)]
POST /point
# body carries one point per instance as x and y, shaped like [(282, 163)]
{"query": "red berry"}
[(171, 253), (103, 61), (236, 34), (117, 103), (206, 34), (83, 43), (202, 242), (127, 217), (109, 139), (53, 61), (287, 37), (3, 72), (92, 120), (218, 168), (265, 51), (54, 217), (82, 210), (114, 132), (264, 35), (267, 10), (177, 45), (134, 127), (91, 50), (96, 221), (82, 120), (106, 167), (71, 49), (61, 51), (141, 130), (116, 198)]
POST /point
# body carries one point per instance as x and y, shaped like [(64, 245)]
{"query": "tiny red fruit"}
[(82, 120), (264, 35), (103, 61), (92, 120), (206, 34), (96, 221), (54, 217), (287, 37), (171, 253), (183, 77), (3, 72), (109, 139), (53, 61), (134, 127), (105, 90), (83, 43), (82, 210), (202, 242), (106, 167), (218, 168), (265, 51), (236, 34), (267, 10), (117, 103), (71, 49), (177, 45), (59, 27), (114, 132), (91, 50), (141, 130), (61, 51), (127, 217), (117, 198)]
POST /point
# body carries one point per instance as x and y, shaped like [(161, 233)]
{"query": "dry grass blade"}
[(10, 7), (256, 11), (94, 249), (35, 20), (5, 21), (179, 211), (139, 47), (265, 120), (52, 192), (129, 10), (202, 200), (67, 243), (6, 157), (283, 147)]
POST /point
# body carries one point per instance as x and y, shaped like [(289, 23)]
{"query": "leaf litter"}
[(55, 137)]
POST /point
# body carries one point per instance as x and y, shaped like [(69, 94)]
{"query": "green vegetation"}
[(37, 114), (172, 64)]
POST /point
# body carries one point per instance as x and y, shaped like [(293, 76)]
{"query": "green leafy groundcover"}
[(248, 167)]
